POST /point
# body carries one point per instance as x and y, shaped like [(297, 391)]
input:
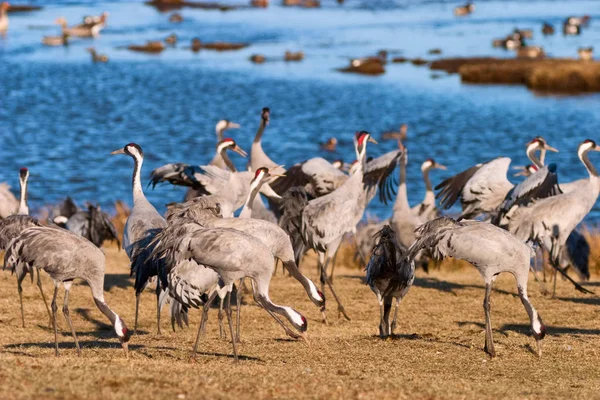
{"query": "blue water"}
[(60, 115)]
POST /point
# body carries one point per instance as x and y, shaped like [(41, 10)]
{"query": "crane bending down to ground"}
[(11, 227), (389, 275), (551, 221), (233, 255), (142, 225), (491, 250), (65, 256)]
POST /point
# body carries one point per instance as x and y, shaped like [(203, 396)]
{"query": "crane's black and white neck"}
[(23, 178), (582, 151), (135, 151)]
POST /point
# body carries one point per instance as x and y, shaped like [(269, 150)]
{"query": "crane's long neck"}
[(105, 309), (311, 289), (260, 131), (588, 165), (401, 202), (538, 162), (23, 208), (261, 294), (220, 134), (247, 209), (227, 161), (429, 195), (138, 192), (115, 320)]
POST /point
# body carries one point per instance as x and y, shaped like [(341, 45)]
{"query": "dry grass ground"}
[(437, 353)]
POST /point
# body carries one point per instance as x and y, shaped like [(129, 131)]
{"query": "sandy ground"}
[(437, 352)]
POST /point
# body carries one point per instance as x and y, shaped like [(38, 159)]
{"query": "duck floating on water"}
[(171, 40), (573, 25), (329, 145), (97, 58), (467, 9), (302, 3), (81, 30), (175, 18), (257, 58), (547, 29), (54, 41), (259, 3)]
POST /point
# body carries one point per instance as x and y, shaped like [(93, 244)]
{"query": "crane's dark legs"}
[(39, 284), (537, 328), (137, 308), (221, 330), (489, 341), (333, 262), (158, 306), (554, 286), (554, 261), (54, 309), (381, 325), (230, 322), (331, 249), (393, 328), (68, 316), (20, 290), (240, 290), (204, 318), (387, 307)]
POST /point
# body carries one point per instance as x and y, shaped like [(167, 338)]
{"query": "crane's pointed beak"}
[(441, 166), (239, 150), (233, 125), (372, 140), (550, 148), (119, 151)]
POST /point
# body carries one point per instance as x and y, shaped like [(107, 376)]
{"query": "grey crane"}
[(12, 226), (224, 125), (390, 276), (258, 157), (141, 226), (65, 256), (491, 250), (427, 209), (268, 233), (323, 222), (93, 224), (551, 221), (233, 255), (484, 187)]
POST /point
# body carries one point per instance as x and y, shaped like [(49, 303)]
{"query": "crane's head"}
[(225, 124), (586, 146), (539, 143), (23, 174), (229, 144), (131, 149), (123, 333), (266, 115), (360, 142), (264, 174), (431, 164), (526, 170), (296, 319)]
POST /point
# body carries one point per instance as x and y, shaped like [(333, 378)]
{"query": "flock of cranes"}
[(199, 250)]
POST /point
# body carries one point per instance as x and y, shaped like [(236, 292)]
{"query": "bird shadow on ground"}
[(594, 301), (481, 326), (426, 337), (355, 277), (550, 330), (89, 344), (241, 357), (121, 281), (450, 287)]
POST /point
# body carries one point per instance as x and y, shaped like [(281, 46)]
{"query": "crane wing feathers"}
[(377, 173)]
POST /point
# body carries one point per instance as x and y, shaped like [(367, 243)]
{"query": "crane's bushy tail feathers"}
[(427, 236), (293, 203), (179, 174), (385, 255)]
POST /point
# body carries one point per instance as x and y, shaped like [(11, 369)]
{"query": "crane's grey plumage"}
[(390, 276), (550, 221), (12, 226), (427, 210), (65, 256), (324, 221), (491, 250), (142, 224), (484, 187), (233, 255)]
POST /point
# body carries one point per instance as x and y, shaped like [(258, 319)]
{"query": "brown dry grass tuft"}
[(437, 354), (546, 74)]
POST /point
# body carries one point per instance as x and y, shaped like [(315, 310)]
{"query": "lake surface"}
[(61, 115)]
